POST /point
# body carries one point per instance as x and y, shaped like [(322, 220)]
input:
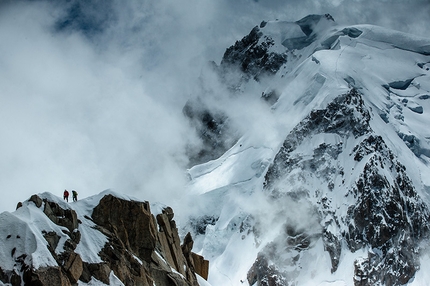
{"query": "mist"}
[(92, 91)]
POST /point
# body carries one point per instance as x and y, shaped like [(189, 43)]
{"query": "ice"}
[(223, 171), (382, 65)]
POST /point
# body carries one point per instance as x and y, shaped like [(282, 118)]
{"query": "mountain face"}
[(107, 239), (312, 169), (333, 190), (383, 212)]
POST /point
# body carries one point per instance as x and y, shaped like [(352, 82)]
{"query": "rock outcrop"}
[(252, 55), (385, 217), (141, 250), (214, 130)]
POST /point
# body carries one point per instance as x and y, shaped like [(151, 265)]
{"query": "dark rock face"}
[(389, 216), (252, 56), (265, 274), (130, 222), (346, 115), (196, 262), (47, 276), (138, 252), (201, 265), (384, 214), (133, 229), (213, 128), (272, 263), (198, 224), (59, 216)]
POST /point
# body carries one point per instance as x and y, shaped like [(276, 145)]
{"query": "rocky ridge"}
[(140, 248)]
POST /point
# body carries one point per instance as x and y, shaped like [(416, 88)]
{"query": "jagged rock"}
[(18, 205), (201, 265), (195, 262), (264, 274), (64, 217), (10, 277), (99, 271), (187, 246), (136, 252), (36, 200), (388, 216), (199, 224), (47, 276), (73, 267), (175, 279), (75, 236), (169, 239), (345, 115), (252, 56), (139, 235), (332, 245), (169, 212), (52, 238), (125, 266), (137, 232)]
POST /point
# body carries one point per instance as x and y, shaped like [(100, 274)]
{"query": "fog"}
[(92, 91)]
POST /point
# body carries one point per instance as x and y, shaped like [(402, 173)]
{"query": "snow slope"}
[(237, 217)]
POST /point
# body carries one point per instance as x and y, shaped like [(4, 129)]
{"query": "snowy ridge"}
[(22, 233), (343, 194), (106, 239)]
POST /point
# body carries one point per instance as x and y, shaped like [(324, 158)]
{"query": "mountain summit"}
[(332, 189), (107, 239)]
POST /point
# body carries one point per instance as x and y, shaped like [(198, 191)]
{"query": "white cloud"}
[(75, 118), (95, 109)]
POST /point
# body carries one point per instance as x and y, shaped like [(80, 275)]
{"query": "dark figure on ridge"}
[(75, 195), (66, 196)]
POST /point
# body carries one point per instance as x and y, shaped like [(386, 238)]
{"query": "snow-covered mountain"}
[(328, 183), (315, 172)]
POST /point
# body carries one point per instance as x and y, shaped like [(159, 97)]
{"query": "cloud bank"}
[(92, 91)]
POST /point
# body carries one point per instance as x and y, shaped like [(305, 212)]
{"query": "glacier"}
[(328, 185)]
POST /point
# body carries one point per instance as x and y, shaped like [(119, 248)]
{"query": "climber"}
[(66, 196), (75, 195)]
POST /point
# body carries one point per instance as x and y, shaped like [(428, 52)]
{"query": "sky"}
[(92, 92)]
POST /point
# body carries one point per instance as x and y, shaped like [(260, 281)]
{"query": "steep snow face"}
[(340, 192)]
